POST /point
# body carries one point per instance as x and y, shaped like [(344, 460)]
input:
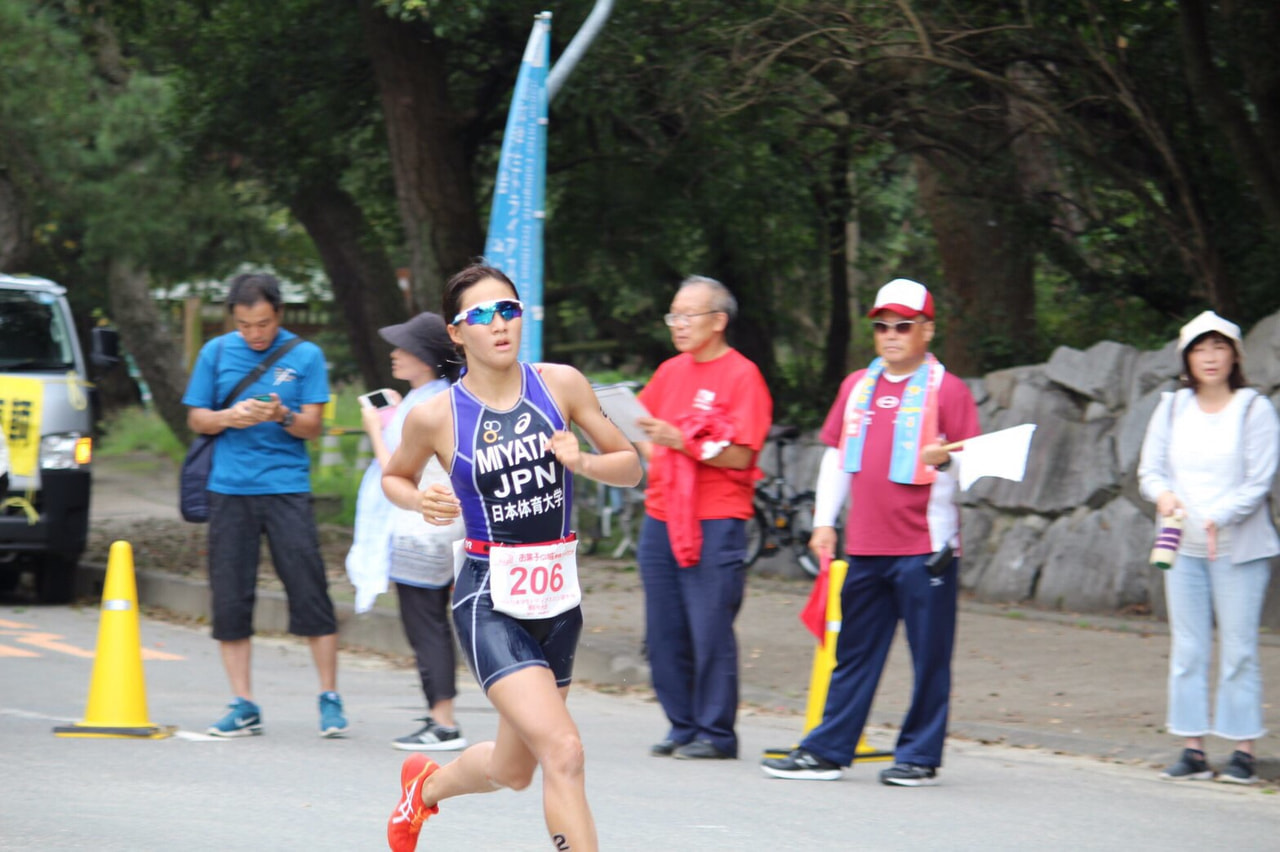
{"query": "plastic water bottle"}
[(1167, 539)]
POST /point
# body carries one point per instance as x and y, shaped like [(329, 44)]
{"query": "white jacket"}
[(1247, 511)]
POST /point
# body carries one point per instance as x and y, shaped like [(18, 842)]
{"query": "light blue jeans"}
[(1200, 592)]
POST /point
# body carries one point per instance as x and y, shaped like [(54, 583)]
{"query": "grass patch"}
[(137, 430)]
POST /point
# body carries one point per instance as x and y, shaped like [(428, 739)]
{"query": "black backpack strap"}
[(257, 371)]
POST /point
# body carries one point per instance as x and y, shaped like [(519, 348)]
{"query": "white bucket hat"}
[(1205, 323)]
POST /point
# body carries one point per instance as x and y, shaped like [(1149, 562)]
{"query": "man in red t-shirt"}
[(885, 436), (710, 413)]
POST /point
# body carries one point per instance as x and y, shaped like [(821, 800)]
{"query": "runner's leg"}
[(535, 729)]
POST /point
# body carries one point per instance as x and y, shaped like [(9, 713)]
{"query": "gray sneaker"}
[(432, 736), (1190, 767), (1239, 770), (909, 775), (802, 765)]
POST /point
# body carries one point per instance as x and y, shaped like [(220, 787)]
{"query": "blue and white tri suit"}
[(512, 491)]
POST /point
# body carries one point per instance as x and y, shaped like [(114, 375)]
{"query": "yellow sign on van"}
[(20, 418)]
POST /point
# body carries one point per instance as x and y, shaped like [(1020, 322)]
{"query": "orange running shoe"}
[(407, 819)]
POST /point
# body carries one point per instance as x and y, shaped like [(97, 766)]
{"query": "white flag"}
[(1002, 454)]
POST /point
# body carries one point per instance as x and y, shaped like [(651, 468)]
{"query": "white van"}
[(47, 413)]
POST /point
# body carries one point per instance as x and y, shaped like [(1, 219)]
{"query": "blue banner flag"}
[(514, 243)]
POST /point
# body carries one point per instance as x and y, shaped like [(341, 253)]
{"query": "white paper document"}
[(621, 406)]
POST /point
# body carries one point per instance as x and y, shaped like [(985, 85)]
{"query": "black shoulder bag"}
[(193, 483)]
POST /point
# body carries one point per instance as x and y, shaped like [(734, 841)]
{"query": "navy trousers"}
[(878, 591), (689, 614)]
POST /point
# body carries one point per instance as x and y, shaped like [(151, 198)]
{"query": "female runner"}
[(503, 434)]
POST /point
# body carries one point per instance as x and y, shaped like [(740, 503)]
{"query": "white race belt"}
[(534, 580)]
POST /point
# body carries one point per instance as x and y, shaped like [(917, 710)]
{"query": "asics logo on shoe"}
[(405, 811)]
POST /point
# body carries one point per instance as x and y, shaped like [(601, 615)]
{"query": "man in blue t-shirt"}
[(261, 483)]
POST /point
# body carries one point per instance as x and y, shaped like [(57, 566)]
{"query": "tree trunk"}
[(986, 304), (837, 213), (154, 347), (15, 232), (365, 291), (429, 157), (1255, 153)]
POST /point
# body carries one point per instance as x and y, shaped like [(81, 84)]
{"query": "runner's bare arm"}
[(616, 462), (426, 431)]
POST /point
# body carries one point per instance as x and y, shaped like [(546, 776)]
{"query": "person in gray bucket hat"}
[(394, 545)]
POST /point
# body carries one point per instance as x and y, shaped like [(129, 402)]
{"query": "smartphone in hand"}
[(376, 399)]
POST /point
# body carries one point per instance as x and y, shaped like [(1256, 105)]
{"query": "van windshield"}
[(33, 334)]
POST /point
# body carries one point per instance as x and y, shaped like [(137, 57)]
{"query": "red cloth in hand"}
[(684, 529), (814, 614)]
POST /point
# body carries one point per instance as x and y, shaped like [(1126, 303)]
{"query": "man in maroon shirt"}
[(885, 436)]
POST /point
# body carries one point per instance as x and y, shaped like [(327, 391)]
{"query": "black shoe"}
[(701, 750), (431, 737), (1239, 770), (666, 748), (909, 775), (1190, 767), (802, 765)]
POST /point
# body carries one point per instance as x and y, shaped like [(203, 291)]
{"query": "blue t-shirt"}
[(263, 459)]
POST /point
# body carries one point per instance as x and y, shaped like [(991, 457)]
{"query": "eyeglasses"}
[(901, 327), (681, 320), (483, 313)]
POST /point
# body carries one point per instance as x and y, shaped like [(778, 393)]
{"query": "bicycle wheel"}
[(756, 532), (801, 511)]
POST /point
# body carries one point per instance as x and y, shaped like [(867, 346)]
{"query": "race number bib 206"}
[(534, 580)]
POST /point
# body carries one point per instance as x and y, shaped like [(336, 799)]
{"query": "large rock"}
[(1262, 354), (1100, 373), (1096, 560), (1152, 369), (1069, 465), (1132, 430), (1016, 553)]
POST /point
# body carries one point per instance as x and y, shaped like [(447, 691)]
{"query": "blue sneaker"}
[(244, 720), (332, 722)]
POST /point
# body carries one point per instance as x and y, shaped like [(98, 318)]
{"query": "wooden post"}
[(192, 331)]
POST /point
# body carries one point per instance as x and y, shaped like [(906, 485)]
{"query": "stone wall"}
[(1075, 534)]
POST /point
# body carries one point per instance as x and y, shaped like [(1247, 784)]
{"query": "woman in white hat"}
[(1208, 459)]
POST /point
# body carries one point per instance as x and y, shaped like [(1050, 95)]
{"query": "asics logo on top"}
[(522, 423)]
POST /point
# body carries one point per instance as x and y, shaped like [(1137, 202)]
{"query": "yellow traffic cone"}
[(117, 694)]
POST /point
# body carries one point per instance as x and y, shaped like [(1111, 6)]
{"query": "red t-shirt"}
[(887, 518), (682, 385)]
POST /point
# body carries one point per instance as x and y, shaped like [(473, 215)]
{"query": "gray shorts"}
[(236, 525)]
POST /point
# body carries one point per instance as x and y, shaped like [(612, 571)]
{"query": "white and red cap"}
[(903, 296)]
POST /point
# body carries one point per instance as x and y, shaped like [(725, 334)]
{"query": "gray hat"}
[(426, 338)]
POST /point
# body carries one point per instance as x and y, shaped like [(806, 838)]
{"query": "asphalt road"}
[(289, 789)]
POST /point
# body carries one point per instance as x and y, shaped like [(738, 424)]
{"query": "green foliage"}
[(138, 430)]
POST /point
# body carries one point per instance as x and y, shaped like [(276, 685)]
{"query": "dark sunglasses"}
[(483, 313), (902, 327)]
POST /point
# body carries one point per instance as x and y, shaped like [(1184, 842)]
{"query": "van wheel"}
[(56, 579)]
